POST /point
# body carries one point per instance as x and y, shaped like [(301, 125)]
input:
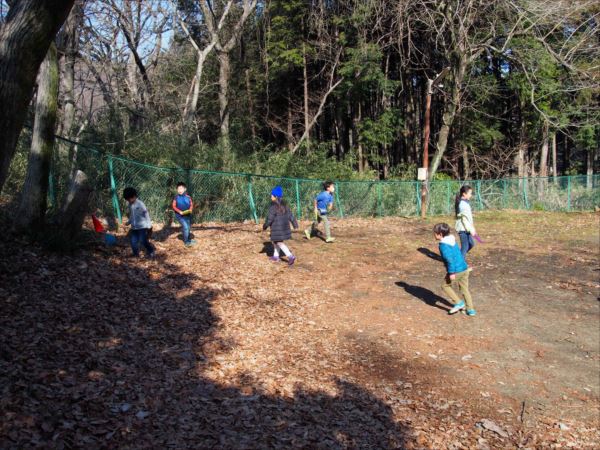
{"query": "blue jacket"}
[(324, 199), (182, 203), (453, 258)]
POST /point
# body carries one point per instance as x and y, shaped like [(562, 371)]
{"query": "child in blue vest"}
[(139, 220), (279, 219), (183, 207), (457, 270), (323, 203)]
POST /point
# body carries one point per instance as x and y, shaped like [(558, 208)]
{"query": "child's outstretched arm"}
[(293, 220), (175, 208), (269, 219)]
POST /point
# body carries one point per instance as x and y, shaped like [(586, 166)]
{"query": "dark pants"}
[(137, 237), (466, 243), (186, 224)]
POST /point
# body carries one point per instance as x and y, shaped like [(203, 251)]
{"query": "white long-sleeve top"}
[(464, 218), (139, 218)]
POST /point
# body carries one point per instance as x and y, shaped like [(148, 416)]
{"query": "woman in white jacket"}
[(464, 219)]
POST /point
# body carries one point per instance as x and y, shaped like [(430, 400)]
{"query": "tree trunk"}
[(25, 37), (357, 121), (69, 45), (76, 206), (32, 208), (521, 167), (224, 75), (466, 165), (543, 160), (449, 114), (189, 112), (250, 105), (290, 123), (544, 151), (554, 164), (590, 167), (306, 112)]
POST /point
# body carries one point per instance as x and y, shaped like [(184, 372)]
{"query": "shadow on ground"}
[(430, 254), (425, 295), (104, 354)]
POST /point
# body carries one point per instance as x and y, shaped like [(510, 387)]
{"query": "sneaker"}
[(152, 255), (307, 234), (291, 260), (188, 244), (274, 259), (330, 240), (456, 308), (192, 242), (471, 312)]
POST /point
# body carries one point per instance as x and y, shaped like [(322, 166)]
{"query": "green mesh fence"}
[(232, 197)]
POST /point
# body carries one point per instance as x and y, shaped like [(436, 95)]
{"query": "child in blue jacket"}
[(457, 269), (183, 207), (323, 204)]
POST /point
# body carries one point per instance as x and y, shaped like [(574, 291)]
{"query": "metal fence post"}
[(480, 203), (525, 187), (190, 189), (418, 193), (251, 200), (448, 196), (504, 193), (338, 201), (379, 199), (113, 190), (569, 193), (298, 208)]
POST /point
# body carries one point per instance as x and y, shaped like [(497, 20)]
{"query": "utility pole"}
[(423, 175)]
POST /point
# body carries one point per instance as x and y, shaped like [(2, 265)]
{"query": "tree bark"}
[(449, 114), (554, 164), (290, 123), (32, 208), (224, 75), (69, 45), (25, 37), (76, 206), (544, 151), (466, 165), (250, 105), (360, 156), (306, 112), (590, 167)]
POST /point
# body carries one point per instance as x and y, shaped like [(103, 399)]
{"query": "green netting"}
[(230, 197)]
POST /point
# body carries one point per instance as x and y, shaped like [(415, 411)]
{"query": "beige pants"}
[(462, 280)]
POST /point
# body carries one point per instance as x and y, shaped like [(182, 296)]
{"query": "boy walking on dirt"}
[(323, 203), (139, 220), (457, 269), (183, 207)]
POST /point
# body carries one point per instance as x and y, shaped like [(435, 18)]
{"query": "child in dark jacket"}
[(457, 269), (279, 218)]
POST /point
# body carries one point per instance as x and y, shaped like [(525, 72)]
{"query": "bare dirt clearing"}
[(215, 347)]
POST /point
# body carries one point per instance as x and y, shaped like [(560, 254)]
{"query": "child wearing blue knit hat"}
[(279, 219)]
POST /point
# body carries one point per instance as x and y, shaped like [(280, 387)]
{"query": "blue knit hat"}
[(277, 191)]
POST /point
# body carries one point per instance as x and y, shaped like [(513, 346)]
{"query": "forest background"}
[(334, 89)]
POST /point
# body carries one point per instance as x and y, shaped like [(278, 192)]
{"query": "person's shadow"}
[(425, 295), (430, 254)]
